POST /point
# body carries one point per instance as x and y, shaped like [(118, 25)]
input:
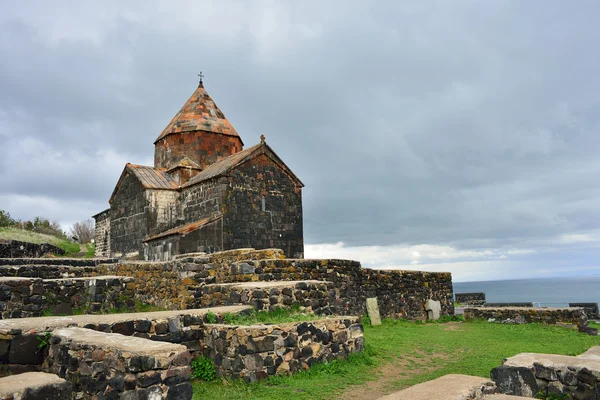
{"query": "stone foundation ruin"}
[(91, 357)]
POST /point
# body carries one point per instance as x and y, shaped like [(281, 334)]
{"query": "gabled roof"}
[(185, 163), (149, 178), (185, 229), (199, 113), (227, 164)]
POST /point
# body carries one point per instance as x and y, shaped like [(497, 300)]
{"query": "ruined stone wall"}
[(32, 297), (102, 234), (100, 365), (163, 284), (257, 351), (399, 293), (316, 296), (179, 284), (204, 148), (470, 299), (527, 315), (279, 225), (17, 249), (128, 218)]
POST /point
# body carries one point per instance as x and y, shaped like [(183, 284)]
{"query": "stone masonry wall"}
[(204, 200), (163, 284), (128, 217), (105, 373), (171, 284), (102, 234), (162, 210), (17, 249), (100, 366), (279, 225), (45, 271), (316, 296), (179, 284), (470, 299), (550, 375), (529, 315), (19, 352), (257, 351), (32, 297), (399, 293), (204, 148)]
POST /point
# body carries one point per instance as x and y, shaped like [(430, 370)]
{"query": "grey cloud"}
[(467, 123)]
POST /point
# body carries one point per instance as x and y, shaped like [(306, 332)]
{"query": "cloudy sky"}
[(456, 136)]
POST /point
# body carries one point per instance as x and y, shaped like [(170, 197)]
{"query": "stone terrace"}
[(228, 282)]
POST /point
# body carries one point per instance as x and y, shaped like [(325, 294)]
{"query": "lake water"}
[(551, 292)]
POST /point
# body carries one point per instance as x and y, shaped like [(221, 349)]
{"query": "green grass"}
[(12, 233), (275, 316), (71, 249), (420, 352)]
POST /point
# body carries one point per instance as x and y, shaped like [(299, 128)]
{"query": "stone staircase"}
[(135, 355)]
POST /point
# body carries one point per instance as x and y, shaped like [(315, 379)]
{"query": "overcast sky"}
[(456, 136)]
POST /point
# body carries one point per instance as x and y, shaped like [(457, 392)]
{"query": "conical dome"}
[(199, 132), (199, 113)]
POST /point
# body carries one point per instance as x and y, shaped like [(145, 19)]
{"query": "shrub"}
[(211, 317), (5, 219), (83, 231), (203, 368)]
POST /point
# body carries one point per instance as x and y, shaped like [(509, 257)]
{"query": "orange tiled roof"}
[(199, 113)]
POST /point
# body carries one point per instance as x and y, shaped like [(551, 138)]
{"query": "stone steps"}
[(70, 262), (504, 397), (319, 296), (33, 386), (98, 363), (526, 374), (447, 387), (105, 321)]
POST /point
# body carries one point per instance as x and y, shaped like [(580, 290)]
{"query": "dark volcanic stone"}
[(24, 350), (180, 392), (518, 381)]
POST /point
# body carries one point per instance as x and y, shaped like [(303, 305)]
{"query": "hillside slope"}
[(12, 233)]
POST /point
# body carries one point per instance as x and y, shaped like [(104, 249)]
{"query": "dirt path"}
[(389, 374)]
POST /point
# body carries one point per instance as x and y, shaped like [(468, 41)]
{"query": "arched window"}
[(263, 204)]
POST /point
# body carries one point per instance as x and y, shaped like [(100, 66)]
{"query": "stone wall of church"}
[(204, 148), (102, 234), (128, 217), (204, 200), (163, 213), (279, 224), (208, 239)]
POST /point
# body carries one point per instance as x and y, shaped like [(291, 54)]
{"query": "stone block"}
[(24, 350), (35, 386), (434, 309), (373, 311), (518, 381)]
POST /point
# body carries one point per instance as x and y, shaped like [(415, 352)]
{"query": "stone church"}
[(205, 193)]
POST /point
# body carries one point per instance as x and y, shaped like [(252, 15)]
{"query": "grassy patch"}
[(138, 306), (22, 235), (90, 250), (419, 352), (275, 316)]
